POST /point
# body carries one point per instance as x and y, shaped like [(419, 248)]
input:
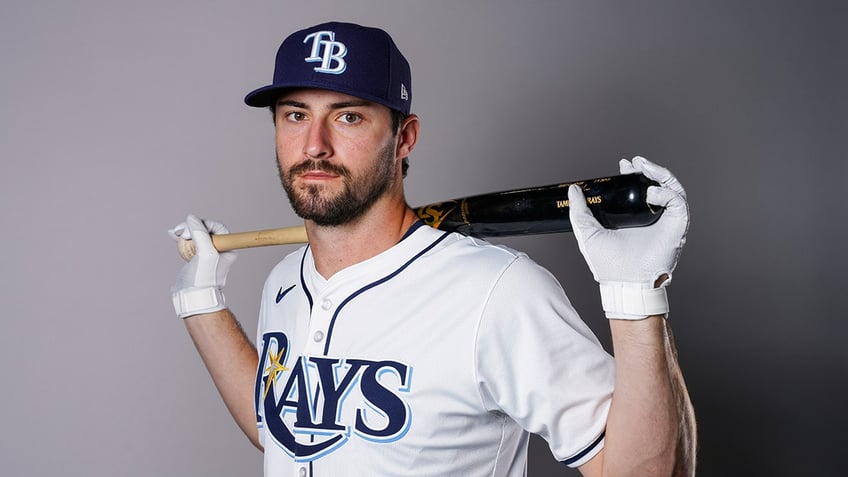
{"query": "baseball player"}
[(386, 347)]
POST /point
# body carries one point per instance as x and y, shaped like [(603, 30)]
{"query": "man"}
[(386, 347)]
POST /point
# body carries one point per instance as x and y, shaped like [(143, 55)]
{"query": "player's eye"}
[(350, 118), (295, 116)]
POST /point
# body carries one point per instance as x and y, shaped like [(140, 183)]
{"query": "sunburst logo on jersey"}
[(274, 368)]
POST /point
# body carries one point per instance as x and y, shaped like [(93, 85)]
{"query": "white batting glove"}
[(627, 263), (200, 282)]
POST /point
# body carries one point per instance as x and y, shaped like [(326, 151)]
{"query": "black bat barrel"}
[(616, 201)]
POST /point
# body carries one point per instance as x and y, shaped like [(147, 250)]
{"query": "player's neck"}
[(338, 247)]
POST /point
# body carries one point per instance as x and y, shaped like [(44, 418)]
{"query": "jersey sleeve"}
[(540, 364)]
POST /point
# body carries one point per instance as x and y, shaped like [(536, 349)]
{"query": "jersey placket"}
[(319, 324)]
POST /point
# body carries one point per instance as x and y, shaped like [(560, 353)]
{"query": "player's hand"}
[(634, 265), (199, 285)]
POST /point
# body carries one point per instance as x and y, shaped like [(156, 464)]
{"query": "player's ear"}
[(407, 135)]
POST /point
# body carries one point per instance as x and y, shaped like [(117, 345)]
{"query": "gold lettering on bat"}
[(434, 214), (591, 200)]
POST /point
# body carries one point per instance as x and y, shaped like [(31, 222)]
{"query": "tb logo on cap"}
[(327, 51)]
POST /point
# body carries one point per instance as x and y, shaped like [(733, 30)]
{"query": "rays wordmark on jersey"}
[(311, 405)]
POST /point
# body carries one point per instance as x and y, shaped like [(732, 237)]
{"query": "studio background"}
[(118, 118)]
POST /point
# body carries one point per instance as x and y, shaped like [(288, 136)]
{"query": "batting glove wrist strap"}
[(624, 301), (194, 301)]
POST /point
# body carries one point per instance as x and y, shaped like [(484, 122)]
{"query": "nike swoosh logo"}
[(281, 293)]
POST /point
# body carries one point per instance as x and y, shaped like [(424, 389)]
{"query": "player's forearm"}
[(687, 433), (231, 360), (650, 426)]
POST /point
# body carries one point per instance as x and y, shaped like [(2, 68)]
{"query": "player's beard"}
[(314, 202)]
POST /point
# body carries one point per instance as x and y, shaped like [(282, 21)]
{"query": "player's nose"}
[(318, 144)]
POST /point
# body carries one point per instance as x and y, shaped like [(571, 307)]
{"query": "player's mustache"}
[(318, 165)]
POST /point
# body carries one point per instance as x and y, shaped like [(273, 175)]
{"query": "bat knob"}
[(186, 248)]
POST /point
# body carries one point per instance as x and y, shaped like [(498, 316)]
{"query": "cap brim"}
[(267, 95), (264, 96)]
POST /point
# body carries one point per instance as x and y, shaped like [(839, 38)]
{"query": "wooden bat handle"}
[(258, 238)]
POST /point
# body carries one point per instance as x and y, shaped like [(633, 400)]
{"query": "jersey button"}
[(302, 472), (326, 304), (318, 336)]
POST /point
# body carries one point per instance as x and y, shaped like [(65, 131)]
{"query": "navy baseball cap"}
[(344, 57)]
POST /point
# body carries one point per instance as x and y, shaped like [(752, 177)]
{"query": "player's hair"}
[(397, 120)]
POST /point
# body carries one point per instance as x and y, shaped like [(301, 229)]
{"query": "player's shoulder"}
[(498, 261), (458, 243), (475, 253)]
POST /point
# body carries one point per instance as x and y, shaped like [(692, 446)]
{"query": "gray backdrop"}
[(119, 117)]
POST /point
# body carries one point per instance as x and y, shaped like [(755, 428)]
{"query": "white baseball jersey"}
[(435, 358)]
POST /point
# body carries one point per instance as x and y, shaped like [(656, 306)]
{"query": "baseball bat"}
[(616, 201)]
